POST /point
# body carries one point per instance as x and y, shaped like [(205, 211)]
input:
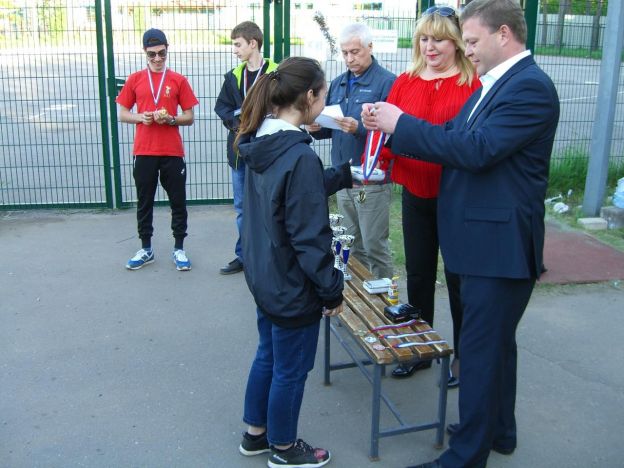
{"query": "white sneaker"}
[(140, 259), (181, 261)]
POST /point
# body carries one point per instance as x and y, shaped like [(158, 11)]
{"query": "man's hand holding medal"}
[(161, 116)]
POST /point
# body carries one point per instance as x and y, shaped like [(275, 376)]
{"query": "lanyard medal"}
[(254, 81), (374, 142), (156, 96)]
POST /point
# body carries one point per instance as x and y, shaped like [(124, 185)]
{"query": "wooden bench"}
[(358, 331)]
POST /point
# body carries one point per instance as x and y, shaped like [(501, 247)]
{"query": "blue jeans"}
[(238, 186), (277, 378)]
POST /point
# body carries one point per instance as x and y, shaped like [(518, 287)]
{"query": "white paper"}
[(376, 176), (326, 118)]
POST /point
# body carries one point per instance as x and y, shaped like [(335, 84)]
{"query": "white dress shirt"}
[(490, 78)]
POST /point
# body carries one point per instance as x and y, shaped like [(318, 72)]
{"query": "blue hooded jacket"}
[(286, 236)]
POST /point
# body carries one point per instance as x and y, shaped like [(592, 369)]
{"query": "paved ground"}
[(575, 256), (101, 367)]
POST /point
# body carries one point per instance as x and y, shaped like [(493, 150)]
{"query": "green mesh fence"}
[(50, 121), (199, 48), (62, 146)]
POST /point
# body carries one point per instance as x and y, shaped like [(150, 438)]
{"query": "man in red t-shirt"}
[(157, 93)]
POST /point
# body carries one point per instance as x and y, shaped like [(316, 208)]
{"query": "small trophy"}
[(334, 223), (335, 219), (345, 241), (336, 246)]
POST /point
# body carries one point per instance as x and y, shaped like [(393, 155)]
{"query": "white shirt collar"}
[(499, 70), (271, 125), (488, 80)]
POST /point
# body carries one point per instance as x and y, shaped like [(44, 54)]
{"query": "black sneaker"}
[(251, 446), (233, 267), (299, 455)]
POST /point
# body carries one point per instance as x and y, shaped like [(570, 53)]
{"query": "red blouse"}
[(436, 101)]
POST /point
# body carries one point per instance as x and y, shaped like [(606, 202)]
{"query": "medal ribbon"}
[(398, 325), (156, 97), (425, 343), (254, 81), (374, 142), (405, 335)]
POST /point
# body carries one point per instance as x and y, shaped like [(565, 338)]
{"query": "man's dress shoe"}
[(453, 428), (406, 370)]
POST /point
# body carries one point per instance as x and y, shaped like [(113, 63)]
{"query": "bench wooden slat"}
[(350, 320), (371, 320), (376, 303)]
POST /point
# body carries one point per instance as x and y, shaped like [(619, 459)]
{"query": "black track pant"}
[(172, 172)]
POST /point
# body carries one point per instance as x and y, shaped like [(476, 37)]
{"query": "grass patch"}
[(579, 52), (568, 171)]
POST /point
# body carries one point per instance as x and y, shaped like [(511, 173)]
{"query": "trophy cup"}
[(336, 246), (334, 223), (335, 219), (345, 241)]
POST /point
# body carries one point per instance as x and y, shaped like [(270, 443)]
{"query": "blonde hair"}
[(441, 27)]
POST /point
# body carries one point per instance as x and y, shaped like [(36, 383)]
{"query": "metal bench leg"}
[(327, 350), (443, 385), (374, 448)]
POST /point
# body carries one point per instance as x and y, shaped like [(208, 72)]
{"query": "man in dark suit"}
[(496, 155)]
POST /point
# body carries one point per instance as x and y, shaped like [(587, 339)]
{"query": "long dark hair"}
[(288, 85)]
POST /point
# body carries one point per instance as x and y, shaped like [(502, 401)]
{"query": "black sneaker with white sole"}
[(300, 454), (254, 445)]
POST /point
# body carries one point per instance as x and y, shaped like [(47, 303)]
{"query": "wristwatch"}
[(172, 122)]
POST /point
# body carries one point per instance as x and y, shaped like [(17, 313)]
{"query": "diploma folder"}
[(377, 286)]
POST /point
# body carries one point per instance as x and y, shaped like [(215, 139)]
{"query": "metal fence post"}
[(602, 131), (286, 28), (530, 15), (106, 149), (424, 4), (266, 27), (278, 30), (112, 94)]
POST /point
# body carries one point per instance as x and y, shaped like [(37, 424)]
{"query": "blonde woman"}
[(435, 88)]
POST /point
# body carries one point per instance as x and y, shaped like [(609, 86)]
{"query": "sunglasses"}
[(161, 53), (442, 11)]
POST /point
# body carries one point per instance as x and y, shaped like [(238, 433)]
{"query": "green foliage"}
[(568, 171), (405, 43), (568, 52), (576, 7), (396, 230), (138, 18), (52, 21)]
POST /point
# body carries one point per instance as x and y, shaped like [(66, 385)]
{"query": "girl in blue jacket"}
[(287, 249)]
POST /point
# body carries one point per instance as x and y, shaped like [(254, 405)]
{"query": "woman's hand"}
[(333, 312), (313, 127)]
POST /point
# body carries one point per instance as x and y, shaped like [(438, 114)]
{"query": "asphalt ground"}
[(104, 367)]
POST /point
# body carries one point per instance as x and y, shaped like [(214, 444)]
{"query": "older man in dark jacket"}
[(366, 217)]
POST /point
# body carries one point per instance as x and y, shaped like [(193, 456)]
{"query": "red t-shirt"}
[(436, 101), (157, 139)]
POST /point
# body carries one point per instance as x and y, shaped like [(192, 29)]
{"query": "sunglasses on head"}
[(442, 11), (161, 53)]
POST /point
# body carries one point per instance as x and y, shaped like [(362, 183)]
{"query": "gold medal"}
[(361, 195)]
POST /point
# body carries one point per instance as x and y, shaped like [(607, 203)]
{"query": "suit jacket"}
[(491, 202)]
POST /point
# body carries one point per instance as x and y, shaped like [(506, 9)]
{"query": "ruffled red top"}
[(436, 101)]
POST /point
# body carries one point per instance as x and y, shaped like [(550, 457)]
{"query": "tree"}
[(595, 32), (544, 22), (564, 8)]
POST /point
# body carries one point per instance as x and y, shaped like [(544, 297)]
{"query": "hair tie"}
[(274, 75)]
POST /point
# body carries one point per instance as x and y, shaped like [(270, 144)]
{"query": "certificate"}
[(326, 118)]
